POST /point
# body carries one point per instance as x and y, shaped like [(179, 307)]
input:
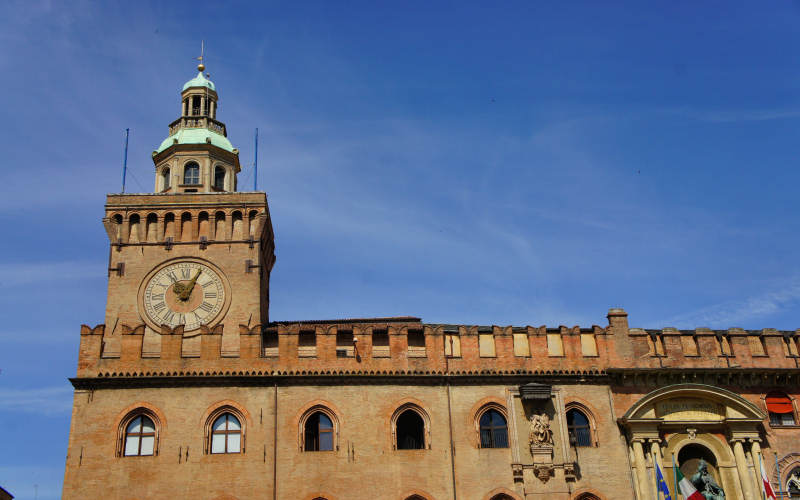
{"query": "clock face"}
[(184, 293)]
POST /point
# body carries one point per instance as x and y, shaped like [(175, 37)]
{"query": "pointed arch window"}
[(318, 433), (410, 431), (140, 437), (494, 429), (191, 174), (580, 432), (226, 434)]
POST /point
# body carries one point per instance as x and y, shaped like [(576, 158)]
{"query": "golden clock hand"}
[(186, 290)]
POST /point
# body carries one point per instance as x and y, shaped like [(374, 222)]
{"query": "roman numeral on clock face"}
[(168, 316), (210, 295), (172, 276), (159, 306), (206, 306), (207, 284), (185, 273), (157, 296)]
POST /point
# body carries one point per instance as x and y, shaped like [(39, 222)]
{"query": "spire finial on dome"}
[(201, 66)]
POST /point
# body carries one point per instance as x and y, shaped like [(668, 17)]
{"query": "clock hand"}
[(186, 290)]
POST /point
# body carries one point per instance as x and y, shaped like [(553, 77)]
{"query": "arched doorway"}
[(712, 433)]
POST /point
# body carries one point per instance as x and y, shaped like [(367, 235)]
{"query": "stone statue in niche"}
[(793, 483), (540, 433), (705, 483)]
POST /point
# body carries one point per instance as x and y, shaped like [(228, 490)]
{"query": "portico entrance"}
[(712, 434)]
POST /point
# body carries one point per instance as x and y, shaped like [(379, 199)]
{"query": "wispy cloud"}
[(785, 295), (40, 400), (735, 115)]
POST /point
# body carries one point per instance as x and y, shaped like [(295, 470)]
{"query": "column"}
[(641, 470), (755, 449), (655, 451), (635, 472), (202, 105), (741, 467)]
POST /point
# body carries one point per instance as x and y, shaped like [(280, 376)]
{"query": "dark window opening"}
[(307, 338), (344, 344), (578, 426), (410, 431), (318, 433), (219, 178), (380, 338), (269, 341), (494, 431), (196, 105), (416, 338)]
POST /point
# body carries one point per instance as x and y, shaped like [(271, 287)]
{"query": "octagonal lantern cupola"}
[(197, 157)]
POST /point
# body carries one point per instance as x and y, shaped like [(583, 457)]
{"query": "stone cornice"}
[(182, 379), (740, 377)]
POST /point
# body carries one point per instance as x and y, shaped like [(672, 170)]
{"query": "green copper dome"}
[(196, 136), (199, 81)]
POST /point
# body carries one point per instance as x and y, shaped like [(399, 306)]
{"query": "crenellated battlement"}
[(404, 345)]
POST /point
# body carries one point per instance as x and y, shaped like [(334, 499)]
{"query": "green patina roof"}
[(199, 81), (196, 136)]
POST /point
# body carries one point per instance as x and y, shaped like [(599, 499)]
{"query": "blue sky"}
[(481, 163)]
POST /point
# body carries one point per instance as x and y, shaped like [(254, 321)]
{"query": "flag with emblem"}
[(662, 485), (688, 490)]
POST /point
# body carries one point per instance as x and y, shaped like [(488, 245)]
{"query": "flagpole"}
[(125, 160), (761, 477), (675, 477), (778, 469), (655, 477)]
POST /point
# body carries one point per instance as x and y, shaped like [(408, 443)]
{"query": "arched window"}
[(191, 173), (580, 433), (494, 430), (165, 179), (226, 434), (588, 496), (219, 178), (780, 408), (318, 433), (410, 431), (140, 437), (501, 496)]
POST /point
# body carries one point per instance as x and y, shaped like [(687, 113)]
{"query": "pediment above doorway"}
[(692, 403)]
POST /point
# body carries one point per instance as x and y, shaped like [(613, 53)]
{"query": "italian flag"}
[(687, 488), (766, 487)]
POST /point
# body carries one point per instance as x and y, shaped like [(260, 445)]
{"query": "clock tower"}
[(195, 255)]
